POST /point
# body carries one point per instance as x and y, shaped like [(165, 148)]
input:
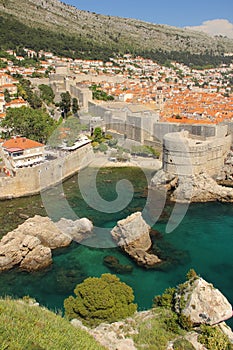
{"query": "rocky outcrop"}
[(39, 258), (78, 230), (132, 235), (201, 188), (29, 246), (192, 188), (226, 173), (202, 303), (46, 231), (117, 335), (25, 251)]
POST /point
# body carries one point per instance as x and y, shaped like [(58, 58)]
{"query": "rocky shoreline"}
[(192, 188)]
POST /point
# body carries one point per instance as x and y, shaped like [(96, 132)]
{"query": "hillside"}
[(99, 32), (25, 326)]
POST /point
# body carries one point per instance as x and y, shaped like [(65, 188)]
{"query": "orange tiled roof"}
[(21, 142)]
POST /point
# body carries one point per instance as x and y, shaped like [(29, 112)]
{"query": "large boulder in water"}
[(202, 303), (46, 231), (37, 259), (29, 245), (133, 236), (78, 230), (18, 249)]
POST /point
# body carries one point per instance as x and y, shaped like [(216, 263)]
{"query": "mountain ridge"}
[(116, 33)]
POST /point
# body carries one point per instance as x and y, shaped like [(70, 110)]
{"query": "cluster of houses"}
[(175, 93), (9, 84)]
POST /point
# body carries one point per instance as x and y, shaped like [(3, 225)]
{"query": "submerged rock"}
[(203, 303), (113, 263), (133, 236)]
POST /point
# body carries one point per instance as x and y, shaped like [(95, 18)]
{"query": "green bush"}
[(214, 339), (191, 274), (104, 299), (166, 299), (171, 324), (185, 322), (103, 147)]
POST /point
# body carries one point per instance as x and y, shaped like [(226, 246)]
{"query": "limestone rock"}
[(192, 188), (132, 230), (29, 245), (78, 230), (37, 259), (201, 188), (162, 178), (204, 304), (46, 230), (17, 248), (132, 235)]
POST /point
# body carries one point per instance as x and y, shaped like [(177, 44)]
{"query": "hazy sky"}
[(172, 12)]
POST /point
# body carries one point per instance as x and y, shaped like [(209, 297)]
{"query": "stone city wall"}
[(32, 180), (185, 154)]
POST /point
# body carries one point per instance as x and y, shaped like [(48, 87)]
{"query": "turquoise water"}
[(203, 241)]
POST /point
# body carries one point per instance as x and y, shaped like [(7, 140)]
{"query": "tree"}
[(104, 299), (7, 96), (65, 103), (97, 135), (75, 106), (25, 90), (31, 123), (46, 93)]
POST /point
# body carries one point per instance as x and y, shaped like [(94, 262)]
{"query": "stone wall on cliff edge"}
[(31, 180)]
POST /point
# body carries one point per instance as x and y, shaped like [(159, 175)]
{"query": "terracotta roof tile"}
[(22, 143)]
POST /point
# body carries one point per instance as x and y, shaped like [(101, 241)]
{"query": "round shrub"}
[(104, 299)]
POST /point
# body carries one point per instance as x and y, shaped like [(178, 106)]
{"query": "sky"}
[(179, 13)]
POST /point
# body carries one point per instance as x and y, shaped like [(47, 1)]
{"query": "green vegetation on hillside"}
[(14, 34), (27, 327), (105, 43)]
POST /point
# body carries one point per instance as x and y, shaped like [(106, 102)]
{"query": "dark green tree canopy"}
[(34, 124), (7, 95), (104, 299), (46, 93), (75, 106), (26, 91), (65, 103)]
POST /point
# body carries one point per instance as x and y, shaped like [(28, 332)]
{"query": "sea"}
[(197, 236)]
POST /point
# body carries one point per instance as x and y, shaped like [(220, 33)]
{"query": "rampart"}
[(186, 154), (32, 180)]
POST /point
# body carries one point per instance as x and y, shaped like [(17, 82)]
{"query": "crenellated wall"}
[(32, 180)]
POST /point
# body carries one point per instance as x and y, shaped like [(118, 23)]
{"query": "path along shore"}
[(101, 160)]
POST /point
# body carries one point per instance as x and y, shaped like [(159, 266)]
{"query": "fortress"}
[(186, 154)]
